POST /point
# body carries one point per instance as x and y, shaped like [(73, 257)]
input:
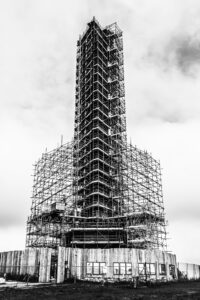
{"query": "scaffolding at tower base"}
[(52, 195), (135, 204), (143, 200), (57, 220)]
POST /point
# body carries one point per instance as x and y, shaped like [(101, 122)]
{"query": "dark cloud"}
[(188, 54), (181, 51)]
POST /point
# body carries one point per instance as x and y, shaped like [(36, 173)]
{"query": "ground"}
[(88, 291)]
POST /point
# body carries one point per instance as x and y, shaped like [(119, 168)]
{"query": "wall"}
[(188, 271), (45, 264), (10, 262), (75, 260), (73, 263), (20, 262), (30, 261)]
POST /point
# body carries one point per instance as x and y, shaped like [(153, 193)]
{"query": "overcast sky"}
[(162, 77)]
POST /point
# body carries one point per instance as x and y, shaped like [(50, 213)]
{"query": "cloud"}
[(37, 77), (12, 238), (181, 52), (175, 43), (10, 219), (188, 53), (156, 96), (162, 74)]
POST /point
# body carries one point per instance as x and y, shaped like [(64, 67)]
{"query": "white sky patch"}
[(37, 88)]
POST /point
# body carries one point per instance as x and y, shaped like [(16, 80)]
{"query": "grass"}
[(89, 291)]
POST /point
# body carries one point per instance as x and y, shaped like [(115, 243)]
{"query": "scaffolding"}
[(136, 210), (98, 191), (52, 195), (143, 200)]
